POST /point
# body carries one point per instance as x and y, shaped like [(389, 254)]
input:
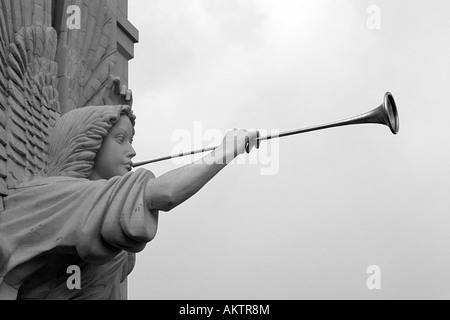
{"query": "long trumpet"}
[(386, 114)]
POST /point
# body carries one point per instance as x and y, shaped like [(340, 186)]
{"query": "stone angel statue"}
[(90, 209), (71, 195)]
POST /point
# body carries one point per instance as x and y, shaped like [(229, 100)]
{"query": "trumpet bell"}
[(386, 114), (390, 108)]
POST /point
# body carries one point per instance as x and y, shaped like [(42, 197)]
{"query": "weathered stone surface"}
[(3, 138), (18, 149), (3, 172), (3, 99), (16, 110), (15, 60), (15, 77), (18, 132), (38, 56), (3, 80), (16, 93), (45, 114), (15, 170), (3, 154), (2, 118), (3, 189)]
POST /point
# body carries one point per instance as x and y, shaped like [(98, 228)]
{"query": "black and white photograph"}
[(205, 151)]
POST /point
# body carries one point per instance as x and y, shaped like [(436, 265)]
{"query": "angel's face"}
[(114, 157)]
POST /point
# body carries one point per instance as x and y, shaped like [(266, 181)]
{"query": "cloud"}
[(183, 38)]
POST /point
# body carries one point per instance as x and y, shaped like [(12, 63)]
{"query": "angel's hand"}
[(116, 93)]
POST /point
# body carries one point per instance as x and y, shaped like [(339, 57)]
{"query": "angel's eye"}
[(120, 138)]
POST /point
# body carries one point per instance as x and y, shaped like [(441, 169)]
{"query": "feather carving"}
[(45, 72), (87, 54)]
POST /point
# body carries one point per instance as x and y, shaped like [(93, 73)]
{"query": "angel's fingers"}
[(258, 142), (247, 144), (111, 67), (252, 140), (123, 91), (129, 96), (111, 74), (116, 86), (110, 83)]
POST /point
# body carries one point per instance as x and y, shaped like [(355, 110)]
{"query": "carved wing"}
[(85, 56), (29, 104), (42, 64)]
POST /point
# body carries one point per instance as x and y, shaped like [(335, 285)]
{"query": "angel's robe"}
[(50, 224)]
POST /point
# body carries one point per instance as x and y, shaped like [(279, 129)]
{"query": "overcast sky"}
[(305, 216)]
